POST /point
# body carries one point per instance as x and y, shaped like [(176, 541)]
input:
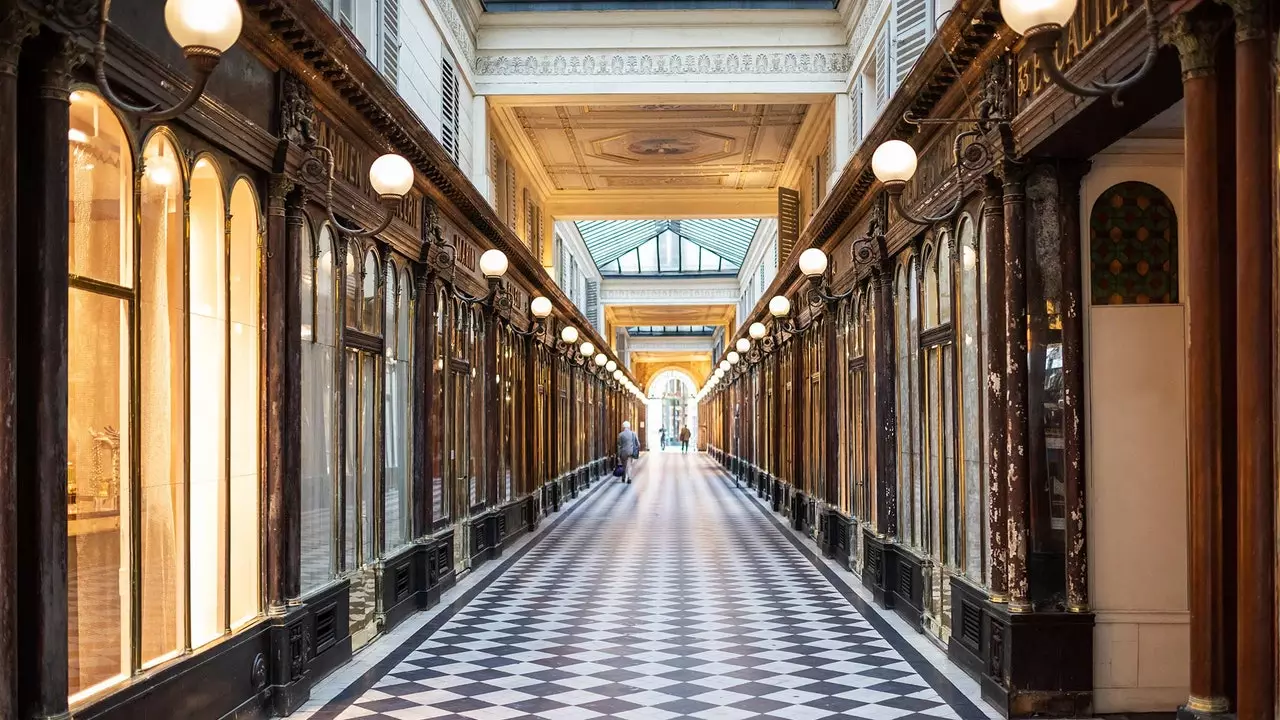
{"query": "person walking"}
[(662, 438), (628, 450), (684, 438)]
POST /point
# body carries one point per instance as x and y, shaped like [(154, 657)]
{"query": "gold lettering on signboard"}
[(1091, 22)]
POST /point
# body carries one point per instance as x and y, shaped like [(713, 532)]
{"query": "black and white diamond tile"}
[(667, 598)]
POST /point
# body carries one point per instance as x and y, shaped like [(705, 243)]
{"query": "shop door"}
[(361, 509), (463, 488)]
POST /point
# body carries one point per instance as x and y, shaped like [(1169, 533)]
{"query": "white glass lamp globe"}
[(733, 357), (724, 364), (779, 306), (813, 262), (894, 161), (757, 330), (719, 373), (601, 359), (540, 307), (617, 374), (743, 345), (493, 263), (204, 23), (391, 175), (569, 335), (611, 366), (1022, 15), (586, 348)]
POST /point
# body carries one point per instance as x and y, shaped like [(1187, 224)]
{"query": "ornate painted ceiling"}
[(663, 146)]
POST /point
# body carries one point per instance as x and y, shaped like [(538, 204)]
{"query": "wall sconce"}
[(540, 308), (391, 176), (780, 308), (1040, 23), (612, 368), (813, 263), (203, 28)]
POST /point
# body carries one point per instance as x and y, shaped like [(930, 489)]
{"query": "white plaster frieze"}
[(448, 13), (659, 64), (667, 295)]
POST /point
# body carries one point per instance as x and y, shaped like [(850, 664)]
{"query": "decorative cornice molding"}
[(452, 18), (616, 295), (693, 63)]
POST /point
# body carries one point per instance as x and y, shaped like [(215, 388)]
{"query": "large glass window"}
[(399, 442), (168, 535), (319, 448), (969, 336)]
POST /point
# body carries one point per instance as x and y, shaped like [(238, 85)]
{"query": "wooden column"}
[(1015, 380), (886, 409), (42, 390), (282, 261), (1196, 40), (423, 392), (993, 305), (1255, 569), (15, 26), (1073, 370)]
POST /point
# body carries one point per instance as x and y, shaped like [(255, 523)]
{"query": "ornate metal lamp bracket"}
[(1043, 41)]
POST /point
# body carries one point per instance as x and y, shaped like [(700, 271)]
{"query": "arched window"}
[(902, 370), (319, 438), (397, 451), (169, 536), (1133, 246), (244, 284), (100, 468), (970, 338)]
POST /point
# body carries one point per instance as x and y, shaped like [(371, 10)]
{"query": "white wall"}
[(1137, 466), (425, 38)]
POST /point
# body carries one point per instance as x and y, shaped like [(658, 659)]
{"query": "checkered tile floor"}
[(667, 598)]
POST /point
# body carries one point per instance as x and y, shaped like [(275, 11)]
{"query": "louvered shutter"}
[(855, 116), (537, 237), (910, 35), (390, 64), (593, 303), (511, 196), (882, 72), (449, 109), (788, 222)]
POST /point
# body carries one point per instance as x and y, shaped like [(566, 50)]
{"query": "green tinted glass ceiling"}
[(668, 247), (554, 5), (667, 330)]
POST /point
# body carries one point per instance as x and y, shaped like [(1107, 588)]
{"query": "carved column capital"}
[(16, 25), (1250, 17), (1196, 39), (63, 58)]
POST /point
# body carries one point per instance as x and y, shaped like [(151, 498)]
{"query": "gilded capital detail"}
[(1196, 40), (1250, 17)]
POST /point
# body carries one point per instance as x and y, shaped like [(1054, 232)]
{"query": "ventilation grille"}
[(402, 583), (449, 109), (442, 561), (904, 581), (326, 628), (970, 624), (502, 527)]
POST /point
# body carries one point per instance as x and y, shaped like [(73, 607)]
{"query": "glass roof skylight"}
[(663, 330), (545, 5), (668, 247)]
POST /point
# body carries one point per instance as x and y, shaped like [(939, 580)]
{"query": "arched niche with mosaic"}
[(1133, 246)]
